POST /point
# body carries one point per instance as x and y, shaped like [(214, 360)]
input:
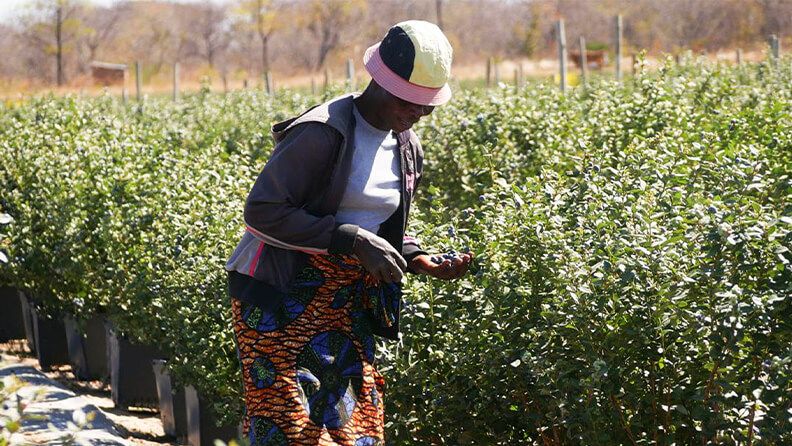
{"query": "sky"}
[(10, 8)]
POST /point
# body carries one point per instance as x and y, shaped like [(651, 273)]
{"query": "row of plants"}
[(632, 282)]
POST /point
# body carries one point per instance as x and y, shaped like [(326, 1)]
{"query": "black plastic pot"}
[(131, 377), (87, 351), (12, 325), (171, 403), (201, 429), (50, 337), (27, 321)]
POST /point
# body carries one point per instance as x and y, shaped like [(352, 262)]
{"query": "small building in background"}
[(595, 59), (108, 74)]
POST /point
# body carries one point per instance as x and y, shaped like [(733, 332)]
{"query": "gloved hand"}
[(378, 257)]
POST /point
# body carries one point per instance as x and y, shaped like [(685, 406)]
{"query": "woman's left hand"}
[(449, 269)]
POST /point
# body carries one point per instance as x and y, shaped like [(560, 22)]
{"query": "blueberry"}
[(437, 260), (466, 249), (712, 209), (482, 198), (451, 231)]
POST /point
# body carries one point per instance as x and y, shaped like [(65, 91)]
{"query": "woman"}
[(317, 273)]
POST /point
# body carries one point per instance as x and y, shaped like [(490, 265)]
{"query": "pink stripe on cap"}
[(400, 87)]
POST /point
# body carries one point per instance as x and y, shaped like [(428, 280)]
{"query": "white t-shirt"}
[(374, 189)]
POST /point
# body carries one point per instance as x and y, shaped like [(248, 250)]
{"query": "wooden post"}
[(326, 78), (489, 72), (522, 75), (634, 63), (313, 85), (351, 74), (775, 49), (245, 84), (562, 53), (176, 81), (618, 47), (137, 81), (739, 56), (268, 83), (583, 60), (225, 82), (516, 78)]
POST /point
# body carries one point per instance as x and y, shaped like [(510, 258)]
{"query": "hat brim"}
[(398, 86)]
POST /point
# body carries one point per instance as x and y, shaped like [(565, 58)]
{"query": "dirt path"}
[(139, 426)]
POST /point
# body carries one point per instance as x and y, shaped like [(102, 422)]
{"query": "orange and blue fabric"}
[(308, 357)]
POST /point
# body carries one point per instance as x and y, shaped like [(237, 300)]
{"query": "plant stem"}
[(615, 402)]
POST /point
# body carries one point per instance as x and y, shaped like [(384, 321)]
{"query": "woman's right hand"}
[(378, 257)]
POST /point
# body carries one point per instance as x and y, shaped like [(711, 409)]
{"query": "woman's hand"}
[(448, 269), (378, 257)]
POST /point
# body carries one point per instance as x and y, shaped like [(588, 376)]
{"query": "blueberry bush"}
[(632, 277)]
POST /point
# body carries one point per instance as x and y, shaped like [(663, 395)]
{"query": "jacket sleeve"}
[(411, 246), (275, 208)]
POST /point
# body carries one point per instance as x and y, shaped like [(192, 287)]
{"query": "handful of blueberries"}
[(450, 255)]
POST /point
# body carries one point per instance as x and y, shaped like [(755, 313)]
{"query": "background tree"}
[(52, 27), (101, 26), (261, 18), (212, 31), (328, 19)]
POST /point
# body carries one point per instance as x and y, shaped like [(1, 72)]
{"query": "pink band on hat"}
[(398, 86)]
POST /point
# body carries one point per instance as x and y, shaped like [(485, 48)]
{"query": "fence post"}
[(775, 49), (739, 56), (351, 74), (225, 82), (618, 47), (326, 78), (562, 53), (521, 76), (489, 71), (124, 92), (268, 83), (583, 60), (137, 81), (245, 83), (176, 81), (313, 85)]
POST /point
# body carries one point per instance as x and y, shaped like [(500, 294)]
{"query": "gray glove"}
[(378, 257)]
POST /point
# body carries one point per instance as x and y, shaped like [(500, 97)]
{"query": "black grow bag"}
[(201, 429), (12, 325), (50, 340), (88, 350), (171, 402), (131, 377), (27, 321)]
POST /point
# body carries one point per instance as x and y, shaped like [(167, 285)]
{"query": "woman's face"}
[(400, 114)]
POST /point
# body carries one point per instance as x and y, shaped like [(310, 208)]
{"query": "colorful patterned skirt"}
[(308, 358)]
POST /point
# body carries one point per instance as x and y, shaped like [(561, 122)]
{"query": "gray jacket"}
[(291, 208)]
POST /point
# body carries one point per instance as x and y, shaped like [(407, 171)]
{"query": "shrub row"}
[(632, 283)]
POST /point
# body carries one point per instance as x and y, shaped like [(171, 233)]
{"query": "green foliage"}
[(632, 277)]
